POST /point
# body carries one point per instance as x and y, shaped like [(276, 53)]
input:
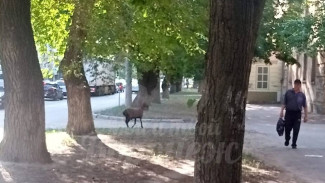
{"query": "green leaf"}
[(145, 14)]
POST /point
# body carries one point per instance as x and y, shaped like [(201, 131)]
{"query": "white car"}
[(135, 86)]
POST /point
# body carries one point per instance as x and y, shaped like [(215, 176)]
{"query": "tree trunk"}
[(165, 88), (24, 123), (172, 88), (128, 89), (201, 87), (147, 83), (156, 93), (187, 84), (179, 85), (80, 119), (219, 133)]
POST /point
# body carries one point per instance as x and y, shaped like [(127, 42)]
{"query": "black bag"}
[(280, 126)]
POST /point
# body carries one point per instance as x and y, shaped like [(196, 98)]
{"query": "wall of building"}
[(271, 94), (312, 74)]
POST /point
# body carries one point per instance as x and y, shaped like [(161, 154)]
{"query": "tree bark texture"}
[(80, 119), (147, 83), (179, 85), (156, 93), (128, 89), (24, 123), (219, 133), (202, 86)]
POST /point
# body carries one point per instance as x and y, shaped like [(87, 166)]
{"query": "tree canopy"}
[(144, 31), (288, 26)]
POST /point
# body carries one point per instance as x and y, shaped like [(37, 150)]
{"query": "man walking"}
[(294, 101)]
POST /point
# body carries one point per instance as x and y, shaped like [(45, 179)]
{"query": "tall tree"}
[(286, 28), (80, 119), (142, 29), (128, 88), (148, 81), (24, 123), (156, 98), (158, 35), (219, 132)]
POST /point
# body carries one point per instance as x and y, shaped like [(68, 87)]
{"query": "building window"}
[(262, 77)]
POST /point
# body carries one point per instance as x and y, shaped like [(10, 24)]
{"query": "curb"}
[(158, 120)]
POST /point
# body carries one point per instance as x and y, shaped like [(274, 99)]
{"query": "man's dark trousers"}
[(292, 121)]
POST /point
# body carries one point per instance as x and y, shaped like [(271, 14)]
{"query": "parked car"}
[(62, 86), (2, 97), (135, 89), (53, 91)]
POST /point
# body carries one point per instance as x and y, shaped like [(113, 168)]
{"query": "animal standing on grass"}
[(134, 113)]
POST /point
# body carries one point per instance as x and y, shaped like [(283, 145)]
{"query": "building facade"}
[(268, 83), (311, 72), (265, 82)]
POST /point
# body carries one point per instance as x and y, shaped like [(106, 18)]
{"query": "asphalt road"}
[(56, 112), (305, 164)]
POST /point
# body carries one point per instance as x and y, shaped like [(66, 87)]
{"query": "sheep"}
[(134, 113)]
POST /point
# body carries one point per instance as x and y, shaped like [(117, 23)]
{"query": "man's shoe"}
[(294, 146), (286, 143)]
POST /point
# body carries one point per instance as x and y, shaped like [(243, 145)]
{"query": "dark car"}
[(62, 86), (53, 91)]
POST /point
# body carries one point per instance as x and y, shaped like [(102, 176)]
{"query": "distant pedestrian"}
[(187, 83), (121, 88), (294, 102)]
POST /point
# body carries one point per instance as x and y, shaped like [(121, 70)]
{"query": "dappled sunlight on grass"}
[(171, 148), (5, 175), (122, 155), (259, 171), (61, 143), (256, 171), (146, 153)]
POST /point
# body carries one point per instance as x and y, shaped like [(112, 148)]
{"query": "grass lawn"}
[(175, 107)]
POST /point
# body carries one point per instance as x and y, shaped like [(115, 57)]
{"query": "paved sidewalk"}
[(316, 119), (106, 123), (307, 163)]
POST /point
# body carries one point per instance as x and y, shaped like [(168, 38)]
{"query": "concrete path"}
[(105, 123), (306, 163)]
